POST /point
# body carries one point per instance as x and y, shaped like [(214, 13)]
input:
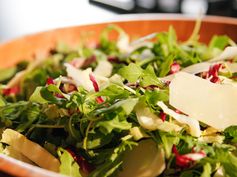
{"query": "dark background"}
[(211, 7)]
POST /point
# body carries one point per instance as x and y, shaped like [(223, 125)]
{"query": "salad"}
[(148, 107)]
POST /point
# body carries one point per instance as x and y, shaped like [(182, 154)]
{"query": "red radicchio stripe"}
[(95, 84), (174, 68), (162, 116), (99, 99), (83, 164), (185, 160), (49, 81), (11, 91), (213, 73)]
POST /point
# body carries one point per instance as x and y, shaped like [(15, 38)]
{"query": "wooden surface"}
[(40, 44)]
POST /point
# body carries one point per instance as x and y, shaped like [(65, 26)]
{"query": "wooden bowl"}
[(135, 25)]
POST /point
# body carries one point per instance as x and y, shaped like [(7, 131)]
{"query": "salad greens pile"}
[(91, 108)]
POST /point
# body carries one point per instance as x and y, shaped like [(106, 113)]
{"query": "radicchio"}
[(174, 68), (11, 91), (83, 164), (162, 116), (213, 73), (186, 160), (99, 99)]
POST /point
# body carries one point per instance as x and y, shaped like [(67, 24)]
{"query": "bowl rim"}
[(136, 17)]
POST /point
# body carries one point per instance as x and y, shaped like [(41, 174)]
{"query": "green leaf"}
[(47, 95), (7, 73), (172, 38), (97, 139), (219, 42), (2, 101), (168, 141), (114, 92), (165, 66), (231, 133), (127, 106), (113, 160), (207, 170), (107, 126), (68, 166), (149, 78), (36, 96), (228, 162), (132, 72), (106, 45), (29, 117), (152, 97)]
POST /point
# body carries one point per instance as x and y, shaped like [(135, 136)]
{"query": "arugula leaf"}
[(2, 101), (68, 165), (207, 170), (126, 105), (29, 117), (219, 42), (106, 45), (152, 97), (114, 92), (231, 133), (107, 126), (132, 72), (47, 95), (36, 96), (168, 140), (172, 38), (228, 162), (113, 160), (165, 66), (97, 139), (149, 78), (7, 73)]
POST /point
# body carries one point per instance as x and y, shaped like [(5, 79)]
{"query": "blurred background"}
[(21, 17)]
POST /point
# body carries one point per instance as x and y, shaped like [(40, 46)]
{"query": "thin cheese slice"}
[(31, 150), (145, 160), (104, 68), (10, 151), (229, 53), (212, 104)]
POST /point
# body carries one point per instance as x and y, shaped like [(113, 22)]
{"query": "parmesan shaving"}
[(212, 104), (193, 124), (31, 150)]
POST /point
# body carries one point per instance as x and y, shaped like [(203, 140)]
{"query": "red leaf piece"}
[(163, 116), (174, 68), (95, 84), (113, 59), (185, 160), (99, 100), (49, 81), (83, 164), (11, 91), (213, 73), (181, 160), (58, 95)]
